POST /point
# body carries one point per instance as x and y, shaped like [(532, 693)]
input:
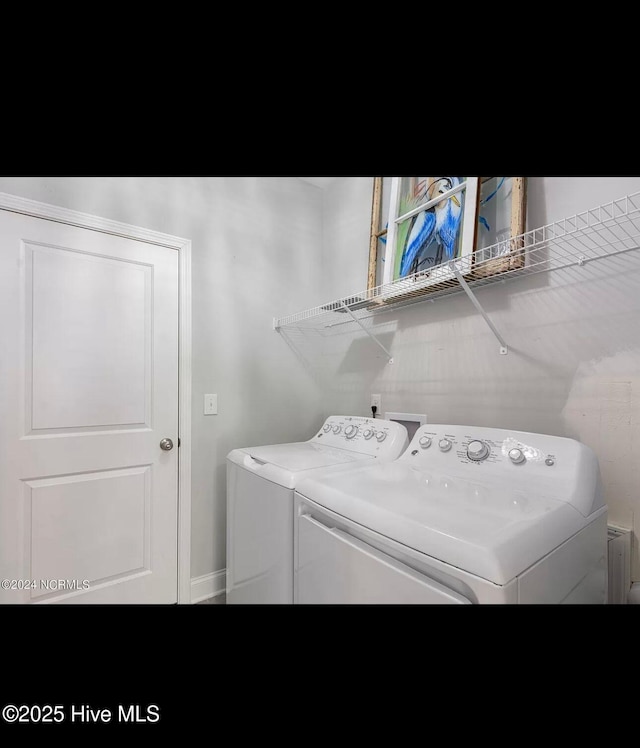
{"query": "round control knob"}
[(425, 442), (350, 431), (326, 428), (381, 436), (337, 429), (445, 444), (368, 433), (516, 456), (477, 451)]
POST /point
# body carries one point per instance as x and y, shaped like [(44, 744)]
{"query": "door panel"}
[(73, 517), (88, 312), (88, 388)]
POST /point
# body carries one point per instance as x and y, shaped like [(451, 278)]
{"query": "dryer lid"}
[(490, 531)]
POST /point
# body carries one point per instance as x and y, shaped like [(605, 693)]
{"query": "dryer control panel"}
[(371, 436), (549, 465)]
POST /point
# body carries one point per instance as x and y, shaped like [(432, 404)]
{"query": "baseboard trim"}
[(208, 585)]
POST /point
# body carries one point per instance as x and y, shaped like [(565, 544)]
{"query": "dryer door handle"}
[(321, 525)]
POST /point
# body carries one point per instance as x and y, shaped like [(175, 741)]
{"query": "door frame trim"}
[(16, 204)]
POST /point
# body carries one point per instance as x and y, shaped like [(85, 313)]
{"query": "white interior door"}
[(88, 389)]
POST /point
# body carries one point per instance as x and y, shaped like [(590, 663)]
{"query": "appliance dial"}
[(350, 431), (337, 429), (517, 456), (326, 427), (477, 451), (445, 445), (381, 436), (425, 442), (368, 433)]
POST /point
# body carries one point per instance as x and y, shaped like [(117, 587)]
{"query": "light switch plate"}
[(211, 405)]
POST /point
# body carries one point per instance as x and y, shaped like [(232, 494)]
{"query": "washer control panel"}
[(372, 436), (470, 445), (553, 465), (482, 448)]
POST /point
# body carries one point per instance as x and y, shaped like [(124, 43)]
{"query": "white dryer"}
[(466, 515), (260, 487)]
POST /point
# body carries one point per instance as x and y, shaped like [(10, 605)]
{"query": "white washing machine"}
[(466, 515), (260, 487)]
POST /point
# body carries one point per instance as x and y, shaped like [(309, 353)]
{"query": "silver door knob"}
[(166, 444)]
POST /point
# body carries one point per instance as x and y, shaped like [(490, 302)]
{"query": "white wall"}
[(573, 367), (257, 253), (346, 214)]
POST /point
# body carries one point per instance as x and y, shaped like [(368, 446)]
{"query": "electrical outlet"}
[(211, 405), (377, 401)]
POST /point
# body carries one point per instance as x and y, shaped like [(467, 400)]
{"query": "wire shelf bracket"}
[(503, 346), (369, 333)]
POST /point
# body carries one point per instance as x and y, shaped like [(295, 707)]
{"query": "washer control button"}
[(425, 442), (445, 445), (381, 436), (326, 427), (350, 431), (517, 456), (337, 429), (549, 462), (477, 451), (368, 433)]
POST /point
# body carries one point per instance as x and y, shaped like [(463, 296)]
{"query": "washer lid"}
[(492, 532), (284, 463), (303, 456)]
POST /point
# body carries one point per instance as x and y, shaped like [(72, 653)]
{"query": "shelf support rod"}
[(370, 334), (503, 346)]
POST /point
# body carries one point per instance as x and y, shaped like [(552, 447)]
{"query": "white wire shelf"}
[(608, 230)]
